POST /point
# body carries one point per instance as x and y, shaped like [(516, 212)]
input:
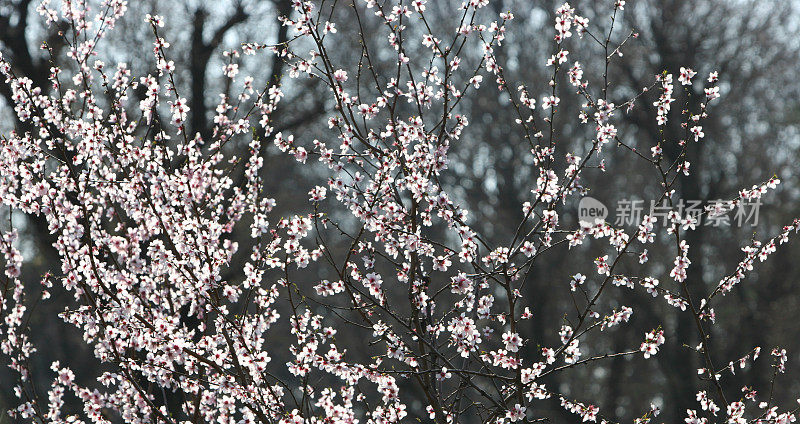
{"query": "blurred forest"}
[(752, 134)]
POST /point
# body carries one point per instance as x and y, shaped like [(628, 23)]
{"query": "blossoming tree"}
[(145, 216)]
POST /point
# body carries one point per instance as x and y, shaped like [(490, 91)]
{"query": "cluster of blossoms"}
[(666, 99), (652, 341), (145, 216)]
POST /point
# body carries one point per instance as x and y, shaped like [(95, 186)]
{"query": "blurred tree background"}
[(752, 134)]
